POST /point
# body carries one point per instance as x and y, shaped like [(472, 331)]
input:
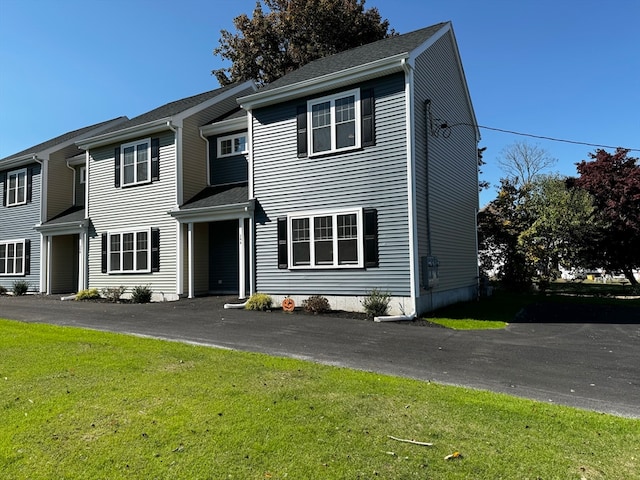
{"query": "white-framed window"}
[(334, 122), (83, 174), (232, 145), (16, 187), (129, 251), (136, 162), (12, 257), (332, 239)]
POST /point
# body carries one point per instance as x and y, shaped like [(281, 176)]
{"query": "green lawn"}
[(80, 404), (501, 308)]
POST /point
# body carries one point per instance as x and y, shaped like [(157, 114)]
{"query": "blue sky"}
[(566, 69)]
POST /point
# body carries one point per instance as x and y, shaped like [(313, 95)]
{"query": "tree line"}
[(540, 222)]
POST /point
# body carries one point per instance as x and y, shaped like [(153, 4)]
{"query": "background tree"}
[(522, 162), (613, 180), (559, 216), (293, 33)]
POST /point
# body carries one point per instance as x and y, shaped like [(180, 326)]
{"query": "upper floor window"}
[(16, 187), (83, 174), (232, 145), (335, 122), (136, 162), (14, 257)]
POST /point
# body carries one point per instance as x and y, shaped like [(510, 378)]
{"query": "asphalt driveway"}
[(591, 361)]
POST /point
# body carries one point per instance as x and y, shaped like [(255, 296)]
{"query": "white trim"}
[(414, 272), (332, 125), (241, 260), (250, 153), (135, 145), (232, 138), (190, 260), (238, 123), (334, 213), (124, 231), (15, 242)]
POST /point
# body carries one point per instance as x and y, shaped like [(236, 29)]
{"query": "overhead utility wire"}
[(443, 126)]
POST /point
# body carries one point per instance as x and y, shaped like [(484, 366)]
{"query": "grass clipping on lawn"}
[(86, 404)]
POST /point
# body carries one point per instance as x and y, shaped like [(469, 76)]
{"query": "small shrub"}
[(316, 304), (20, 287), (141, 294), (89, 294), (3, 290), (259, 301), (113, 294), (376, 303)]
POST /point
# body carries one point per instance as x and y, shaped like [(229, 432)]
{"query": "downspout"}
[(411, 187), (74, 182), (178, 198), (206, 141), (44, 170)]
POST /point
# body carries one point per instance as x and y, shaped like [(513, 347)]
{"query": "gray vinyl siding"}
[(233, 169), (371, 177), (134, 207), (453, 180), (17, 222)]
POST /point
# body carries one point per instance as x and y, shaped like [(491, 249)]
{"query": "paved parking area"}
[(591, 360)]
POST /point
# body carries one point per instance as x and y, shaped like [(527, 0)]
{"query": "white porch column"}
[(241, 260), (190, 248), (82, 260), (47, 264)]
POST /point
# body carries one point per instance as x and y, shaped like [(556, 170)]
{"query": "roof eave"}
[(125, 134), (224, 126), (235, 210), (347, 76)]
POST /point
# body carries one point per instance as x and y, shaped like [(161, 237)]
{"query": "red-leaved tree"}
[(613, 180)]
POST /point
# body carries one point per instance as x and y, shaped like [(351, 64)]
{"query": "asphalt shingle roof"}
[(73, 214), (218, 196), (58, 140), (170, 109), (354, 57)]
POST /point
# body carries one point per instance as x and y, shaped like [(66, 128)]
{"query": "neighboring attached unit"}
[(42, 218)]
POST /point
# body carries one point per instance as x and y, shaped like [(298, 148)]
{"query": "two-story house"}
[(363, 173), (42, 184)]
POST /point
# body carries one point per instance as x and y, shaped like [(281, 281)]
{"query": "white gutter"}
[(207, 147), (124, 134)]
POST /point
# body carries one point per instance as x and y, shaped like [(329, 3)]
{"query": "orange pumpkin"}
[(288, 304)]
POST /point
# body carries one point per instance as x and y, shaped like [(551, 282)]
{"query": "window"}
[(232, 145), (326, 240), (83, 174), (136, 162), (16, 187), (13, 257), (129, 252), (335, 122)]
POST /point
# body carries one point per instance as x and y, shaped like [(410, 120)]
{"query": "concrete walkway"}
[(593, 365)]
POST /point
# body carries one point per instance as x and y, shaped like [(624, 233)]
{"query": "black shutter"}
[(29, 184), (301, 124), (155, 249), (370, 237), (155, 159), (368, 117), (104, 253), (27, 257), (4, 178), (282, 243), (116, 168)]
